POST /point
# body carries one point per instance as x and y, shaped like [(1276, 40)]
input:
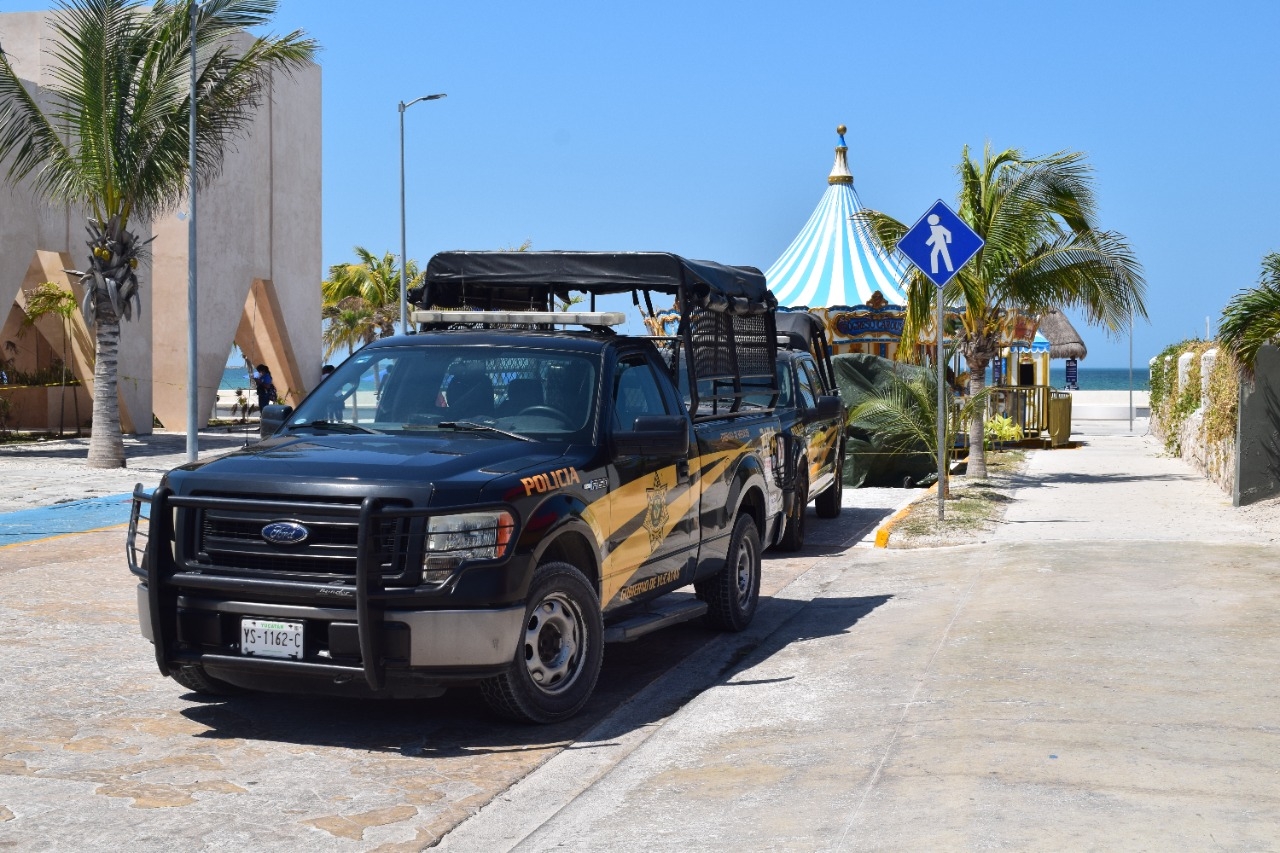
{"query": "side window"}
[(635, 392), (784, 384), (809, 389), (815, 379)]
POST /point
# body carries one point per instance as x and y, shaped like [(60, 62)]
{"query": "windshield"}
[(482, 390)]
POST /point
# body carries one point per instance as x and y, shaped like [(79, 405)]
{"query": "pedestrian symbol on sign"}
[(939, 238), (940, 243)]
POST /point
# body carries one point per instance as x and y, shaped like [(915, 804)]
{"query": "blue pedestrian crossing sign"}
[(940, 243)]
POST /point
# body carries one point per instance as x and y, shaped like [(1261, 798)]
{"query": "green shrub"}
[(1223, 407), (1001, 429), (1170, 408)]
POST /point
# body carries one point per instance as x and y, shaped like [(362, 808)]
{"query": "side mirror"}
[(272, 418), (829, 407), (654, 435)]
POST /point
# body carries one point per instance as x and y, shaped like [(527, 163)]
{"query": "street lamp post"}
[(193, 387), (404, 284)]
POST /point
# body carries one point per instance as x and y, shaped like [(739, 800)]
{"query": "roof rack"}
[(523, 318)]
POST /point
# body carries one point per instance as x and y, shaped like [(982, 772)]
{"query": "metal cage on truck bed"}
[(727, 321)]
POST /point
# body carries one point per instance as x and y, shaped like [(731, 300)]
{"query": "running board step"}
[(669, 610)]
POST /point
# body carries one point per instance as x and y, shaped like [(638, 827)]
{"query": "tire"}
[(194, 678), (830, 502), (793, 534), (733, 593), (559, 656)]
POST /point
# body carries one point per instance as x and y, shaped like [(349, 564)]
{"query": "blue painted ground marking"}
[(27, 525)]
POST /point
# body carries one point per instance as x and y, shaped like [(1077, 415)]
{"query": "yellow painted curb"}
[(883, 531)]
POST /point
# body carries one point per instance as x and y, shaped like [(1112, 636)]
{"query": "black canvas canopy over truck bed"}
[(487, 501), (727, 313)]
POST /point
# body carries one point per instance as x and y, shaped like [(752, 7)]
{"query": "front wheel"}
[(560, 653), (733, 593)]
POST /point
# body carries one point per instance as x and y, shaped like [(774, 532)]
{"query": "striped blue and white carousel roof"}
[(833, 261)]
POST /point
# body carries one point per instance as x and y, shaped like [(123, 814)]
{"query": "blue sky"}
[(707, 128)]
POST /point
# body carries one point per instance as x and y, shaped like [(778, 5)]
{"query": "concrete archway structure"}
[(259, 261)]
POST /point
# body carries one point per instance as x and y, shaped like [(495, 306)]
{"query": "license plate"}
[(269, 638)]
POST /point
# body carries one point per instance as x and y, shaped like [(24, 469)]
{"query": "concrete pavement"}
[(1106, 683), (98, 752), (1100, 677), (47, 473)]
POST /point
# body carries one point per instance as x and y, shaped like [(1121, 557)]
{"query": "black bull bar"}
[(154, 559)]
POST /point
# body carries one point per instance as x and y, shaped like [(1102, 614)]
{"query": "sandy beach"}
[(1108, 405), (1109, 398)]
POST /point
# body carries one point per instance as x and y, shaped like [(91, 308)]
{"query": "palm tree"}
[(115, 139), (374, 280), (352, 323), (901, 414), (49, 299), (1252, 317), (1042, 250)]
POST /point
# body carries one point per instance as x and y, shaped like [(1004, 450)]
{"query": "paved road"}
[(1109, 685), (98, 752)]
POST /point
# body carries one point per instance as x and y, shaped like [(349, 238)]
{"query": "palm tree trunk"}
[(62, 393), (977, 466), (106, 445)]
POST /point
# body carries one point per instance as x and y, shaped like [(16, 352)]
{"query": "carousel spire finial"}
[(840, 173)]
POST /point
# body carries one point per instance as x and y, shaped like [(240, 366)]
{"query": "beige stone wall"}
[(259, 262), (1215, 459)]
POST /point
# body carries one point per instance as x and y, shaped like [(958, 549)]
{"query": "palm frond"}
[(119, 87), (27, 139), (1252, 317)]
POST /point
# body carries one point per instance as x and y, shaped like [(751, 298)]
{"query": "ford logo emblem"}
[(285, 533)]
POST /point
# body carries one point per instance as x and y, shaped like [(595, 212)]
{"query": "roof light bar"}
[(523, 318)]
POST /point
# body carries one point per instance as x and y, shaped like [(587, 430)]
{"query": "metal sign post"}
[(939, 244), (942, 418)]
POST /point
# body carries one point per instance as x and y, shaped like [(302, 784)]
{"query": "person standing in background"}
[(266, 387)]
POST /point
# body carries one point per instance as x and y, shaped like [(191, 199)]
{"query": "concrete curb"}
[(886, 527), (512, 816)]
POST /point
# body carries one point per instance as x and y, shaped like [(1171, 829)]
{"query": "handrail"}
[(1026, 405)]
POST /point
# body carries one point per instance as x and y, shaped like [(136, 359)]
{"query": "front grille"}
[(231, 540)]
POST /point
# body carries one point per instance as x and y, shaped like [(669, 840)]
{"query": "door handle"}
[(682, 471)]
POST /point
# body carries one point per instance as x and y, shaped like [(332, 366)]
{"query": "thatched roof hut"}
[(1064, 340)]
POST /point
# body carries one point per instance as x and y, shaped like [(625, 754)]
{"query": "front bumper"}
[(377, 633), (436, 639)]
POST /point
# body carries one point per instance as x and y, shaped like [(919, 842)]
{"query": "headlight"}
[(454, 539)]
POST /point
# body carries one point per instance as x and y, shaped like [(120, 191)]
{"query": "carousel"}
[(837, 271)]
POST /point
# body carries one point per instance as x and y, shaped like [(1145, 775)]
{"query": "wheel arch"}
[(571, 542), (558, 529)]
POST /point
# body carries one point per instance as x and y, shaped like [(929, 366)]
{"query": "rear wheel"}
[(793, 534), (733, 593), (560, 653), (193, 677), (830, 502)]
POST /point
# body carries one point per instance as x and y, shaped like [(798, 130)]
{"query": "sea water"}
[(233, 378), (1102, 378), (1098, 378)]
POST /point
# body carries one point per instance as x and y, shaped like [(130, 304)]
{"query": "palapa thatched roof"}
[(1064, 340)]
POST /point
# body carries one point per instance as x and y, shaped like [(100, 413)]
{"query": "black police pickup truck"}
[(812, 417), (489, 500)]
